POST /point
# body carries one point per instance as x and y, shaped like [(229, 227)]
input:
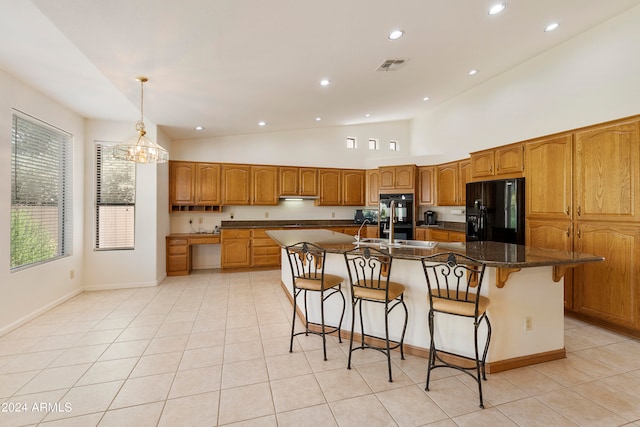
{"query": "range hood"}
[(290, 198)]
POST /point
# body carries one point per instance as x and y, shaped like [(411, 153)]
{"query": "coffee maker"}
[(430, 218)]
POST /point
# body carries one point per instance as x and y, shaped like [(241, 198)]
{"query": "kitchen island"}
[(525, 285)]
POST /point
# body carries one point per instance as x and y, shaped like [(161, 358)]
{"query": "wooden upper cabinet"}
[(548, 166), (289, 181), (397, 177), (308, 181), (464, 173), (447, 176), (353, 187), (297, 181), (607, 172), (207, 184), (182, 183), (264, 185), (330, 189), (501, 162), (236, 184), (426, 185), (373, 187)]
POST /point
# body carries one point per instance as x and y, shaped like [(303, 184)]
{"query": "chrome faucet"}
[(357, 236), (392, 214)]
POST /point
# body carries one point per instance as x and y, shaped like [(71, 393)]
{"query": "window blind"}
[(41, 182), (115, 200)]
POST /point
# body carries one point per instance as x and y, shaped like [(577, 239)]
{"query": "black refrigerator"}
[(495, 211)]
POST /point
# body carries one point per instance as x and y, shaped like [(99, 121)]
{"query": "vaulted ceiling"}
[(228, 64)]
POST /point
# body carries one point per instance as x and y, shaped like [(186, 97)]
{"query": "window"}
[(393, 146), (373, 144), (352, 142), (41, 223), (115, 200)]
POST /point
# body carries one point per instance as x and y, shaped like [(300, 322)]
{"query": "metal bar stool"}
[(369, 271), (454, 283), (307, 270)]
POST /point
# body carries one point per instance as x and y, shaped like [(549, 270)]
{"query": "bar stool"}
[(307, 269), (454, 283), (369, 272)]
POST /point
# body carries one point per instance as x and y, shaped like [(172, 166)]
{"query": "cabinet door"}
[(264, 185), (421, 233), (464, 170), (553, 235), (387, 178), (181, 183), (289, 180), (482, 164), (308, 182), (457, 236), (329, 187), (236, 184), (548, 178), (178, 261), (208, 184), (607, 173), (371, 231), (405, 177), (235, 249), (447, 181), (353, 187), (426, 185), (509, 160), (609, 290), (373, 187)]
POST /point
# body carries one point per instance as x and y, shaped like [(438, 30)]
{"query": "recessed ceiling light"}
[(426, 98), (473, 72), (551, 27), (325, 82), (395, 34), (199, 128), (262, 123), (318, 119), (367, 115), (497, 8)]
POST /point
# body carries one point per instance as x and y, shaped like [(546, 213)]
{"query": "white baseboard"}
[(13, 325), (114, 286)]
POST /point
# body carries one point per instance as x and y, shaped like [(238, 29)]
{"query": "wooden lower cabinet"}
[(178, 262), (556, 235), (437, 235), (609, 290), (236, 248), (264, 251)]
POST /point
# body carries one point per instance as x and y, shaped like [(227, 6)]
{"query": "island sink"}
[(397, 243)]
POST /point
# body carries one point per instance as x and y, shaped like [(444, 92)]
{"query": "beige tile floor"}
[(212, 349)]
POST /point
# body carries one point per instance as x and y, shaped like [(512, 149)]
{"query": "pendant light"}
[(141, 149)]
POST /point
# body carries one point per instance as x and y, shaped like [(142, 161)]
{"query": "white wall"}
[(324, 147), (28, 292), (590, 79), (144, 265)]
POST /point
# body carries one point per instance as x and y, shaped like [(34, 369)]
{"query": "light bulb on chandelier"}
[(141, 149)]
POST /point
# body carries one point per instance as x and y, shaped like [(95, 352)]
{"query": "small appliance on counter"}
[(430, 218), (366, 214)]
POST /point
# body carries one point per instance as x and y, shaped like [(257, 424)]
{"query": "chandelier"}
[(141, 149)]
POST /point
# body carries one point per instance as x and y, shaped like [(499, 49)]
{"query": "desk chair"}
[(369, 272), (454, 283), (307, 270)]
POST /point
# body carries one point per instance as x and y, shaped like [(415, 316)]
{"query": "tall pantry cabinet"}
[(583, 194)]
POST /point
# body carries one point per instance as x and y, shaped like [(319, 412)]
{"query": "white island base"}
[(526, 314)]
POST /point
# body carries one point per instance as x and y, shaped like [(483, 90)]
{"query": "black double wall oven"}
[(402, 218)]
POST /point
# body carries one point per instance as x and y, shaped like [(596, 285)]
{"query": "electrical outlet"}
[(200, 220), (266, 214), (190, 221), (231, 214), (528, 324), (72, 274), (333, 214)]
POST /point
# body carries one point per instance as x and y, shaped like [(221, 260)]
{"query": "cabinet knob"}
[(498, 167), (579, 211), (579, 233), (568, 210), (491, 168), (568, 231)]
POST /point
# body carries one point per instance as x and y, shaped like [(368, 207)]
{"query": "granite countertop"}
[(495, 254), (445, 225)]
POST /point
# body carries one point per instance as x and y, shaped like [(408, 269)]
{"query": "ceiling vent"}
[(391, 65)]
